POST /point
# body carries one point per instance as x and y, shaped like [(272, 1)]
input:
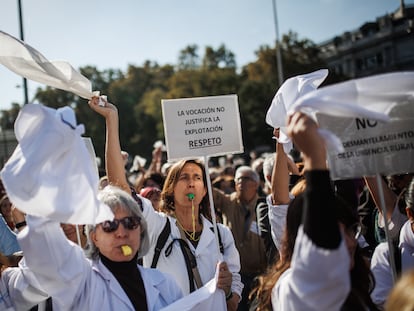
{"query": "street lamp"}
[(278, 53), (19, 5)]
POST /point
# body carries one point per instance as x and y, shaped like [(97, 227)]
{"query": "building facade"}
[(385, 45)]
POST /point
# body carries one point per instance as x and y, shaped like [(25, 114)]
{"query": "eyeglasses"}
[(130, 223)]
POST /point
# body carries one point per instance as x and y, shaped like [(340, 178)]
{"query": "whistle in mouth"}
[(126, 250)]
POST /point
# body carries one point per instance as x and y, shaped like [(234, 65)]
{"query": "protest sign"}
[(201, 126), (370, 147)]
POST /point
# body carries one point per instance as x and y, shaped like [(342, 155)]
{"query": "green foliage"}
[(138, 92)]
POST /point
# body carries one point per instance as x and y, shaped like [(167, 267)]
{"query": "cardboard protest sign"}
[(370, 147), (201, 126)]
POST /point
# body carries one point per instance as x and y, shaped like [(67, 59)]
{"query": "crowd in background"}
[(266, 206)]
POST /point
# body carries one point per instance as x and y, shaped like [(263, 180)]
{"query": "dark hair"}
[(263, 291), (158, 178), (362, 280)]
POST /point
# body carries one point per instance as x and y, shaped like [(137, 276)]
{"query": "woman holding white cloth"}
[(320, 266), (185, 190), (110, 279)]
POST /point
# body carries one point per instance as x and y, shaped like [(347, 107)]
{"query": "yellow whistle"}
[(126, 250)]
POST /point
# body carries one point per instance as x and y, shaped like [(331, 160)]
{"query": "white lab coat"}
[(318, 279), (77, 283), (277, 218), (206, 253), (381, 267)]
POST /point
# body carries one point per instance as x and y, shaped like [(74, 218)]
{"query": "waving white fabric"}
[(27, 62), (50, 173), (292, 89), (206, 298), (372, 97)]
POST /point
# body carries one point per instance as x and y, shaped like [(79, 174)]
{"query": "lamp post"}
[(19, 5), (278, 53)]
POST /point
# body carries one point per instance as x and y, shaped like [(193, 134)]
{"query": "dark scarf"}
[(129, 277)]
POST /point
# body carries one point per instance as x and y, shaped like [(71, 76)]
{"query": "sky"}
[(114, 34)]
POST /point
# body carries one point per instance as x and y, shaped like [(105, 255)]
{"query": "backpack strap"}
[(136, 197), (162, 239), (189, 258), (191, 262)]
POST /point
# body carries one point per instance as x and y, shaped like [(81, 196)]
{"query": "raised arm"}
[(114, 164), (280, 175), (154, 167), (319, 218)]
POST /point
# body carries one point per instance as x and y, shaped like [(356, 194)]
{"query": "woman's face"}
[(110, 243), (190, 181)]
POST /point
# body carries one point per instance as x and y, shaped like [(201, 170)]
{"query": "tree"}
[(138, 92), (260, 84), (188, 58), (220, 58), (8, 117)]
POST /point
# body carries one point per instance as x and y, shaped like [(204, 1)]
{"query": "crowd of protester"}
[(289, 237)]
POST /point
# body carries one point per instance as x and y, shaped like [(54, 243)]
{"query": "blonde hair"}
[(401, 296)]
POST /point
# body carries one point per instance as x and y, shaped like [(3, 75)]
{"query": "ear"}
[(92, 236)]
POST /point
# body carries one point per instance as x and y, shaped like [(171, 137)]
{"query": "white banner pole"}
[(386, 222), (212, 211), (78, 236)]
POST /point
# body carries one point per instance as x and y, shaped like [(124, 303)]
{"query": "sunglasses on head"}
[(130, 223)]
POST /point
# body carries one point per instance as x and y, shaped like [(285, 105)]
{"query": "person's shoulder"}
[(223, 228), (381, 254), (382, 248)]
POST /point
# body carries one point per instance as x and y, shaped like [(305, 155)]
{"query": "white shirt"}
[(206, 252), (380, 264), (59, 268), (277, 219), (318, 279)]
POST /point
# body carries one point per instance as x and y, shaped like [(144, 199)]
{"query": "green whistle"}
[(190, 196)]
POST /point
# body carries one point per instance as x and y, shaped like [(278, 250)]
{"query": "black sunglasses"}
[(130, 223)]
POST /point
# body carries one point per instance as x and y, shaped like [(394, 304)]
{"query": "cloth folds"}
[(51, 173), (374, 97), (292, 89), (206, 298), (27, 62)]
